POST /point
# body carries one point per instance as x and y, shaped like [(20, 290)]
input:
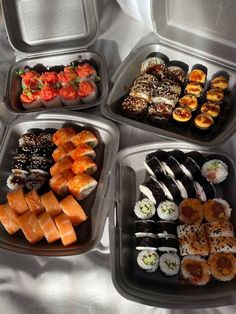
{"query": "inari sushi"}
[(16, 200), (8, 218), (82, 150), (63, 135), (83, 164), (33, 200), (85, 137), (51, 204), (82, 185), (59, 182), (66, 230), (73, 210), (48, 227), (30, 227), (61, 165)]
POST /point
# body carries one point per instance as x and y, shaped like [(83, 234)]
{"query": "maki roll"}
[(31, 99), (194, 88), (21, 164), (181, 116), (30, 79), (16, 180), (155, 168), (40, 164), (146, 242), (203, 121), (153, 190), (69, 95), (146, 78), (86, 72), (219, 82), (59, 182), (167, 244), (85, 137), (160, 154), (166, 229), (159, 113), (63, 135), (84, 164), (172, 167), (68, 76), (35, 181), (145, 228), (28, 139), (215, 171), (88, 92), (195, 270), (222, 266), (50, 97), (215, 95), (186, 187), (189, 101), (152, 65), (191, 168), (222, 244), (216, 209), (82, 185), (49, 78), (168, 87), (169, 264), (190, 211), (41, 151), (148, 260), (168, 210), (197, 76), (143, 90), (211, 109), (144, 209), (45, 139), (175, 74), (134, 107), (76, 152), (204, 189), (197, 157), (178, 155), (171, 189)]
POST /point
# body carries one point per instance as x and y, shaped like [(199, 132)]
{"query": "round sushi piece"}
[(172, 167), (215, 171), (146, 242), (45, 139), (204, 189), (86, 72), (167, 244), (166, 229), (168, 210), (40, 164), (219, 82), (195, 270), (211, 109), (178, 155), (203, 121), (144, 209), (28, 139), (146, 78), (222, 266), (21, 163), (143, 90), (153, 190), (186, 187), (88, 92), (69, 95), (150, 64), (194, 88), (148, 260), (159, 154), (175, 74), (182, 115), (30, 99), (191, 168), (171, 189), (189, 101), (35, 181), (41, 151), (191, 211), (215, 95), (145, 228), (166, 97), (155, 168), (169, 264), (197, 76), (197, 157), (159, 113), (16, 181), (24, 150), (168, 87), (50, 97), (134, 108), (216, 209)]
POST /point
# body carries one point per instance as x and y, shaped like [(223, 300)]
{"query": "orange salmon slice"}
[(30, 227), (16, 200), (73, 210), (49, 228), (8, 218), (67, 232), (51, 204), (33, 200)]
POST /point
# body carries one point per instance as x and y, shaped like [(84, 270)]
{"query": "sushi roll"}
[(219, 82), (178, 155), (148, 260), (85, 137), (194, 88), (203, 121), (69, 95), (35, 181), (159, 154), (145, 228), (191, 168), (79, 151), (168, 210), (215, 95), (168, 86), (171, 189), (211, 109), (160, 113), (197, 157), (197, 76), (45, 139), (220, 228), (215, 171), (21, 164), (204, 189), (146, 243), (30, 79), (16, 181), (166, 229), (39, 164), (82, 185), (172, 167), (222, 244), (216, 209), (50, 97), (59, 182), (63, 135), (143, 90), (167, 244), (181, 116), (194, 244), (151, 64), (41, 151), (144, 209), (189, 101), (28, 139), (84, 164), (195, 270), (67, 77), (222, 266), (184, 231), (88, 92), (24, 150), (153, 190), (169, 264), (61, 165), (49, 78), (175, 74), (134, 107), (186, 187), (31, 99), (86, 72), (155, 168), (190, 211), (146, 78)]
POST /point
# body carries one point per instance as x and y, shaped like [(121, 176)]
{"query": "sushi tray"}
[(55, 173), (57, 71), (172, 231)]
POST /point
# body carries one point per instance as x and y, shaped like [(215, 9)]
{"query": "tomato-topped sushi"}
[(50, 97), (30, 99), (69, 95), (30, 79), (88, 92), (67, 76), (86, 72), (49, 78)]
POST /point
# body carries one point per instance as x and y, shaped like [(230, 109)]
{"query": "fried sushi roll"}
[(203, 121), (216, 209), (195, 270), (211, 109), (134, 107), (63, 135), (215, 95), (189, 101), (194, 88), (85, 137), (219, 82), (59, 182), (82, 185), (222, 266), (190, 211), (197, 76)]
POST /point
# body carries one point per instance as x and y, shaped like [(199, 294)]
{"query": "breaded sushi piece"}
[(84, 164), (222, 266), (48, 227), (73, 210), (16, 200), (221, 228), (59, 182), (61, 165), (216, 209), (63, 135), (195, 270), (197, 76), (51, 204), (191, 211), (194, 88), (62, 151), (82, 150), (82, 185), (30, 227), (222, 244), (219, 82), (85, 137), (66, 230), (33, 200), (215, 95), (211, 109), (8, 218)]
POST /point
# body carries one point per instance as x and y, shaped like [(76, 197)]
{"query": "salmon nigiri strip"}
[(8, 218), (73, 210), (30, 227), (51, 204), (67, 232), (16, 200), (49, 228), (33, 200)]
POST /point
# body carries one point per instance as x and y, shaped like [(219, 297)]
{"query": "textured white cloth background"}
[(82, 284)]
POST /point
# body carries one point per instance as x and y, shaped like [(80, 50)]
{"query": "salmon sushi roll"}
[(59, 182), (63, 135), (66, 230), (86, 72), (222, 266), (61, 165), (16, 200), (82, 185), (88, 92), (51, 204), (30, 227), (48, 227), (34, 203), (85, 137), (82, 150), (73, 210), (69, 95), (50, 97), (63, 151), (8, 218), (84, 164)]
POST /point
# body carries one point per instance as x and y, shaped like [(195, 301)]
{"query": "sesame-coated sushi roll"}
[(146, 78), (86, 72), (190, 211), (50, 97), (215, 95), (143, 90), (220, 228), (222, 266), (195, 270), (40, 165), (88, 92), (153, 190), (85, 137), (215, 171), (170, 86), (150, 64), (211, 109), (168, 210), (169, 264), (159, 113), (219, 82), (194, 244), (16, 181), (21, 164), (184, 231), (82, 185), (175, 74), (148, 260), (194, 88), (216, 209), (144, 209), (28, 139), (189, 101), (63, 135), (69, 95), (134, 108)]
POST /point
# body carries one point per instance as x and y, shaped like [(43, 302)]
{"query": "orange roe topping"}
[(49, 78), (48, 92), (28, 96), (68, 92), (86, 88), (85, 70), (30, 79)]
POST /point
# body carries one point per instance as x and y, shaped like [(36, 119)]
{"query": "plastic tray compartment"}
[(95, 205), (156, 289)]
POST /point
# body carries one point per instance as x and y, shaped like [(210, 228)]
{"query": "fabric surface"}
[(81, 284)]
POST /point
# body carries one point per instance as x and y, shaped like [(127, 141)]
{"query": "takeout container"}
[(96, 205), (192, 41), (51, 34), (156, 289)]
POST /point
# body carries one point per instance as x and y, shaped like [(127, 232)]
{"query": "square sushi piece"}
[(194, 244)]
